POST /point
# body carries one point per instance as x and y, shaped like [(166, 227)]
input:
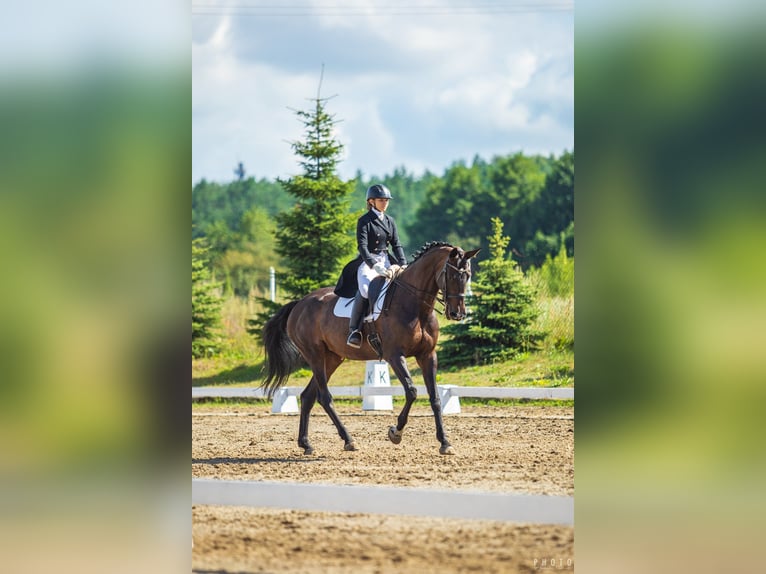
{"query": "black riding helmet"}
[(378, 191)]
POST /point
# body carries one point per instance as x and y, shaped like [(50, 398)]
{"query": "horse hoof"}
[(395, 436), (308, 450), (447, 450), (349, 446)]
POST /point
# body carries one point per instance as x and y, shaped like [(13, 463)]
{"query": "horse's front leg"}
[(428, 366), (399, 365)]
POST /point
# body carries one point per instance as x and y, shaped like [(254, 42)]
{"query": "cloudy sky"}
[(418, 83)]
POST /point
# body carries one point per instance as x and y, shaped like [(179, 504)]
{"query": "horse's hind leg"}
[(308, 398), (325, 399), (331, 362)]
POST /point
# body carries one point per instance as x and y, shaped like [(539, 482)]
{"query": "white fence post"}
[(376, 375), (284, 402), (450, 402), (272, 284)]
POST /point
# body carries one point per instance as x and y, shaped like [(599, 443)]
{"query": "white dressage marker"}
[(376, 375)]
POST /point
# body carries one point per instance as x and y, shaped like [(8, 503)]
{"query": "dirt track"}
[(520, 449)]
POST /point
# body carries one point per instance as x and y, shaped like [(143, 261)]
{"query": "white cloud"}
[(521, 68), (240, 112), (415, 91), (370, 145)]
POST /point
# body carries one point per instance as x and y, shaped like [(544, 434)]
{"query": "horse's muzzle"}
[(456, 315)]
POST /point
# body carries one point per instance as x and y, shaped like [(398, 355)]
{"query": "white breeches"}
[(366, 274)]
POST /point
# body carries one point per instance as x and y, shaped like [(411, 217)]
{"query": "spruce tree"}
[(315, 238), (502, 312), (206, 305)]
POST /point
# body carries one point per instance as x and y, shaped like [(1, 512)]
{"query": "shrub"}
[(555, 277), (502, 312)]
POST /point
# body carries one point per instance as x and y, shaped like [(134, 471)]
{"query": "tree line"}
[(305, 226), (532, 194)]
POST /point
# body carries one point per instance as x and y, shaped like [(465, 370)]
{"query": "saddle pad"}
[(345, 304)]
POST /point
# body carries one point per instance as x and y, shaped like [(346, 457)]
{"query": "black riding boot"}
[(355, 323)]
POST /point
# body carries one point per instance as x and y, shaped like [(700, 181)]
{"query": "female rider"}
[(375, 231)]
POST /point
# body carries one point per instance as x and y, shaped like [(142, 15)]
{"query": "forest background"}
[(533, 195)]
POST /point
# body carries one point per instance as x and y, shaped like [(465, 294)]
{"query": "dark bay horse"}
[(308, 330)]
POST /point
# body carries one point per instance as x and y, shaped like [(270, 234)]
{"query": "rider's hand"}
[(380, 269)]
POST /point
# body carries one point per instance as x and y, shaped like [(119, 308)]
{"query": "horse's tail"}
[(282, 356)]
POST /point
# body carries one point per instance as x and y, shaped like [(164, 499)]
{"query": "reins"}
[(417, 292), (441, 284)]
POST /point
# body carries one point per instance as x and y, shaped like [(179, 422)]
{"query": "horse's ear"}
[(454, 253), (471, 254)]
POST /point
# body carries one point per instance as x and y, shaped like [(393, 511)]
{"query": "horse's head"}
[(453, 280)]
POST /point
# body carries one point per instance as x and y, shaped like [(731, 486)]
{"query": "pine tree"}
[(502, 312), (315, 238), (206, 305)]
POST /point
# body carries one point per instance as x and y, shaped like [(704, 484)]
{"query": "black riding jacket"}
[(373, 235)]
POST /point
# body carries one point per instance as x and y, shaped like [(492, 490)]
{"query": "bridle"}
[(441, 284), (441, 280)]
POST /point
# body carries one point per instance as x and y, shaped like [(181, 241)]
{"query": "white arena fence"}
[(525, 508), (285, 399)]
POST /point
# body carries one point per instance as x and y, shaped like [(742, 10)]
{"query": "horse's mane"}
[(427, 247)]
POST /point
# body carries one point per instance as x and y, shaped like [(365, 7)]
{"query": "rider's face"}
[(380, 204)]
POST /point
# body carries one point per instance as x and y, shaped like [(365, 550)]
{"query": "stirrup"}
[(354, 339)]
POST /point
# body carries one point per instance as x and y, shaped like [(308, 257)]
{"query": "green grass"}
[(541, 369), (554, 368), (221, 371), (241, 362)]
